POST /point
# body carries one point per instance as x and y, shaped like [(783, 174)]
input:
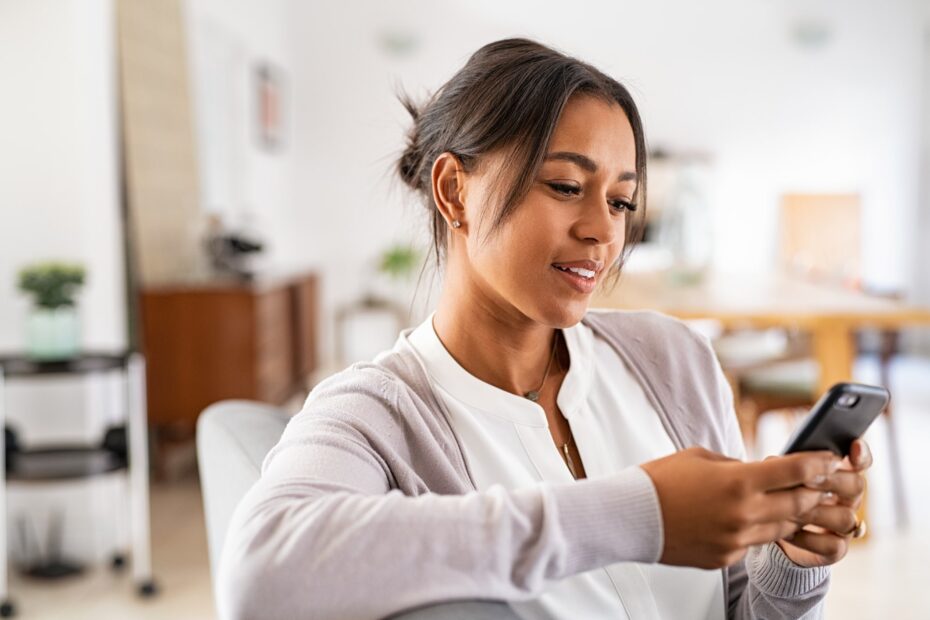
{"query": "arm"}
[(325, 534)]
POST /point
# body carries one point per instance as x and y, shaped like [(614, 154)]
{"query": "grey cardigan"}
[(366, 506)]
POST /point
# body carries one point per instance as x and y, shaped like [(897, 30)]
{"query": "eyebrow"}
[(586, 163)]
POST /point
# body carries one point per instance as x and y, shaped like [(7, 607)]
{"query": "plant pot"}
[(53, 334)]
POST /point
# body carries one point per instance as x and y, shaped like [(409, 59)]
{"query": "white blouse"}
[(506, 440)]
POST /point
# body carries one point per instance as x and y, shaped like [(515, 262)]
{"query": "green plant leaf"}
[(399, 261), (52, 284)]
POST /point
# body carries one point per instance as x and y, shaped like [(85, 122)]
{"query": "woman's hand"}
[(714, 508), (828, 527)]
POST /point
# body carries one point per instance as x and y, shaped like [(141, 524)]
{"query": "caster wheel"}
[(118, 562), (148, 589), (7, 610)]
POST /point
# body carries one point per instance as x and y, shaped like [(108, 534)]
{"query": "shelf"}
[(22, 366), (62, 463)]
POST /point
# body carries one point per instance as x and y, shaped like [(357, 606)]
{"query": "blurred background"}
[(198, 203)]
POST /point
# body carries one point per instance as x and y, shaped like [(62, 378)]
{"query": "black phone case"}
[(830, 426)]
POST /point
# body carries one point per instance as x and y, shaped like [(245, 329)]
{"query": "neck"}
[(496, 344)]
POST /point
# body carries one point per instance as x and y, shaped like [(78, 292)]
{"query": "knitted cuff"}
[(774, 573)]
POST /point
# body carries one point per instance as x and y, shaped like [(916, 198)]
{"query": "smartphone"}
[(840, 416)]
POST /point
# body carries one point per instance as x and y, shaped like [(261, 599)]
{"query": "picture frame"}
[(269, 106)]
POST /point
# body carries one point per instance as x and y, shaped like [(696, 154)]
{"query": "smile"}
[(581, 280), (584, 273)]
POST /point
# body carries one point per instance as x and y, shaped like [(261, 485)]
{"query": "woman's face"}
[(575, 211)]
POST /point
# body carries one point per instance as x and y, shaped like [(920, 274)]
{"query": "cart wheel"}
[(7, 610), (148, 589), (117, 562)]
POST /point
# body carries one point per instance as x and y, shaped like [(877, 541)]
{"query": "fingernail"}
[(834, 465), (829, 495), (819, 479)]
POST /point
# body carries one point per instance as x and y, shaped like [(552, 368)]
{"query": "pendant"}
[(533, 395), (568, 461)]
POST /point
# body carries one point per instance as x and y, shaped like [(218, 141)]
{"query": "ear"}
[(449, 189)]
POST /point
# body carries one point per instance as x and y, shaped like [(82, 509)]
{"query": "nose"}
[(597, 224)]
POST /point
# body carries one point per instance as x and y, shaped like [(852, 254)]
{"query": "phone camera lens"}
[(848, 400)]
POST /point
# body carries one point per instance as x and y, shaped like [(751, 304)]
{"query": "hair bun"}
[(410, 162), (409, 165)]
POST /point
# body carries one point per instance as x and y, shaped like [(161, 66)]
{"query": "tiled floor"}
[(888, 576)]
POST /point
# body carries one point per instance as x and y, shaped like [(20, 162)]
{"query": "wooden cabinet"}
[(209, 342)]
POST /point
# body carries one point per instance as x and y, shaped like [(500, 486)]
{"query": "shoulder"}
[(357, 402), (362, 382), (388, 396), (386, 405)]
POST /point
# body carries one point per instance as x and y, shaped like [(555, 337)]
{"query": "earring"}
[(456, 224)]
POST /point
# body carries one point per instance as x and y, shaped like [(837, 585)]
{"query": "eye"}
[(622, 205), (564, 188), (567, 189)]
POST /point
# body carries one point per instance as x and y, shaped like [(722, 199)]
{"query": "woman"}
[(516, 446)]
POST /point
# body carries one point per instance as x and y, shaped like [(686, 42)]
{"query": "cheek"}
[(516, 255)]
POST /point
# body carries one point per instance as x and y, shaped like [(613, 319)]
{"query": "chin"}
[(563, 315)]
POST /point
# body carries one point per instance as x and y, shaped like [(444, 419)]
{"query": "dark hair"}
[(509, 95)]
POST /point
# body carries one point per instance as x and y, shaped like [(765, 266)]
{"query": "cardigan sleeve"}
[(765, 583), (325, 532)]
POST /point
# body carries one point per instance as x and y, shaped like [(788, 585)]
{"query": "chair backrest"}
[(233, 437), (820, 237)]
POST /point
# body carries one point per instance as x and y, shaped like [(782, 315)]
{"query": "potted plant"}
[(399, 261), (53, 330), (397, 265), (370, 324)]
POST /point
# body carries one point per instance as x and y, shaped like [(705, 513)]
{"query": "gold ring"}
[(858, 531)]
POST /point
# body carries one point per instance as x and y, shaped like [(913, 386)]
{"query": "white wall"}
[(723, 76), (59, 189), (59, 199)]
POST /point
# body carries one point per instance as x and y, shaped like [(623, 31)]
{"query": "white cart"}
[(128, 453)]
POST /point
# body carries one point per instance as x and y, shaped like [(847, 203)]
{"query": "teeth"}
[(584, 273)]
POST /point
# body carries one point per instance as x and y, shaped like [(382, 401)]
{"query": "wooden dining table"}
[(830, 314)]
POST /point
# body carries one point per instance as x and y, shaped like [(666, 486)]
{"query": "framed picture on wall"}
[(269, 106)]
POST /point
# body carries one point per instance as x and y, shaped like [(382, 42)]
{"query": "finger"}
[(853, 503), (784, 472), (837, 519), (770, 532), (847, 485), (860, 456), (830, 546), (787, 504)]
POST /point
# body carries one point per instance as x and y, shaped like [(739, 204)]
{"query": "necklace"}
[(533, 395)]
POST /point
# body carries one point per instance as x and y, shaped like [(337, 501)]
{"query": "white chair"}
[(233, 438)]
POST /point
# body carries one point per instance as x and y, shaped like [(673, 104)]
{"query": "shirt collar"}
[(445, 371)]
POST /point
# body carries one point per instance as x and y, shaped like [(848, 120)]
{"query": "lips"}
[(576, 281)]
